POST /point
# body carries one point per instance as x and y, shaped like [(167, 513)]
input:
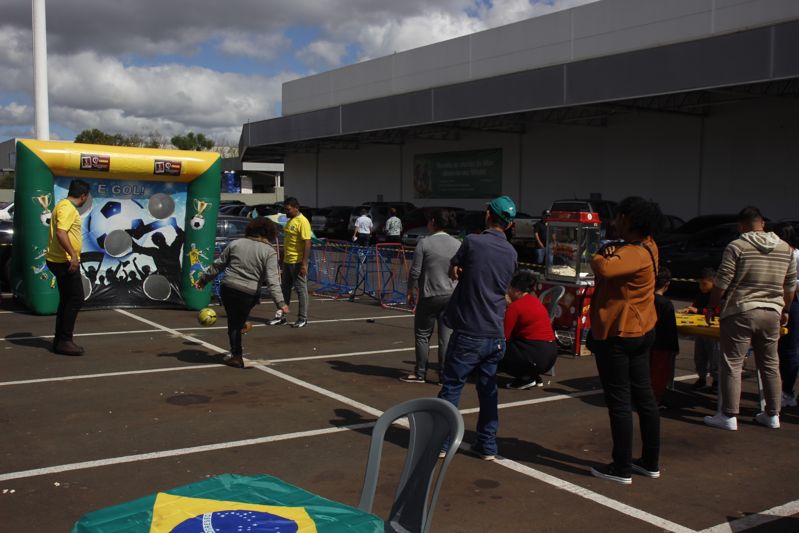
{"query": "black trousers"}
[(528, 359), (70, 294), (623, 364), (238, 305)]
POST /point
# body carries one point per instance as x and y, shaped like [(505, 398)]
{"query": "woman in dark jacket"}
[(623, 319), (247, 263)]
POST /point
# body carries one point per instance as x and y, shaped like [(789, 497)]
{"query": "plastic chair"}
[(554, 294), (433, 422)]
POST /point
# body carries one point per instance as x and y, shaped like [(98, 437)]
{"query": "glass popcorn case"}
[(572, 239)]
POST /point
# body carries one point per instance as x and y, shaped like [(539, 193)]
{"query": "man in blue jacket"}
[(483, 266)]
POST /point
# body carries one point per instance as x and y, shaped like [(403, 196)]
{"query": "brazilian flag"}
[(231, 504)]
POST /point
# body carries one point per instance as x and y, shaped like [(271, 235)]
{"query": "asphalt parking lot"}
[(150, 407)]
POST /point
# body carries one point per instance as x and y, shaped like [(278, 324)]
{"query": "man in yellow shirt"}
[(296, 253), (63, 260)]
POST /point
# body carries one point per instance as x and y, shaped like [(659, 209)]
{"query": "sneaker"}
[(247, 327), (412, 378), (521, 384), (478, 451), (442, 454), (277, 321), (699, 384), (639, 468), (301, 323), (235, 361), (67, 348), (789, 400), (609, 472), (764, 419), (722, 421)]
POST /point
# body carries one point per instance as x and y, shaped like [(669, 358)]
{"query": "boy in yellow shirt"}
[(63, 260)]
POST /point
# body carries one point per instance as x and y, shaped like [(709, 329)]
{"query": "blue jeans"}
[(464, 355)]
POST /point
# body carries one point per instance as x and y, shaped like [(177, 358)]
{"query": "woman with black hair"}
[(788, 347), (430, 287), (623, 319), (530, 348), (247, 263)]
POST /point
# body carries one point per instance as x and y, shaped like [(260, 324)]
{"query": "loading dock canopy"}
[(686, 77)]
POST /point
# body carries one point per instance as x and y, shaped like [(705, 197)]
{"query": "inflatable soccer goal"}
[(148, 226)]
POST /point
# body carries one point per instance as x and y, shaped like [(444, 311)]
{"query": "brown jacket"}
[(623, 304)]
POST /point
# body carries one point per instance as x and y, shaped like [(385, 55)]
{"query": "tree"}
[(95, 136), (190, 141)]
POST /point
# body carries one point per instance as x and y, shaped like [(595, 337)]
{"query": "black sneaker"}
[(640, 468), (412, 378), (300, 323), (700, 384), (277, 321), (609, 472), (521, 384), (478, 451)]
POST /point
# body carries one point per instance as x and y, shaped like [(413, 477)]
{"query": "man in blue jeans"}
[(483, 266)]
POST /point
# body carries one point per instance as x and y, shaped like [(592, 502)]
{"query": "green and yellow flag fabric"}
[(231, 504)]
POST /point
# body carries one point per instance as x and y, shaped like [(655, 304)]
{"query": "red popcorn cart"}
[(573, 237)]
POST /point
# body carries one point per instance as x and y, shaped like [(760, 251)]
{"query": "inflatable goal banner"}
[(148, 227)]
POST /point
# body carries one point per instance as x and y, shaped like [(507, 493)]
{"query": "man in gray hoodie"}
[(755, 284)]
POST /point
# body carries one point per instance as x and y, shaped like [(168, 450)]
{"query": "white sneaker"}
[(722, 421), (789, 400), (764, 419)]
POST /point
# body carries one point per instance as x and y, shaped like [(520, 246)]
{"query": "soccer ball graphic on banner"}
[(111, 216)]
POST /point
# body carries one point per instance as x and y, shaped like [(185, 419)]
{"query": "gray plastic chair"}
[(554, 294), (433, 422)]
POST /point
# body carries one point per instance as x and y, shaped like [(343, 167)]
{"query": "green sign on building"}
[(466, 174)]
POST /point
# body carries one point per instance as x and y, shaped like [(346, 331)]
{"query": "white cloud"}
[(325, 53), (264, 47), (15, 114)]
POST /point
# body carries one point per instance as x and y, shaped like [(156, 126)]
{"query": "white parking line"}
[(107, 375), (200, 328), (756, 519), (593, 496), (180, 451)]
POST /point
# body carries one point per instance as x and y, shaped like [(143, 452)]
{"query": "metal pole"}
[(41, 105)]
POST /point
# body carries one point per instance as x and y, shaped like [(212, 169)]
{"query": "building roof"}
[(608, 51)]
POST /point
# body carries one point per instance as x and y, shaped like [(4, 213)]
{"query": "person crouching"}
[(531, 349)]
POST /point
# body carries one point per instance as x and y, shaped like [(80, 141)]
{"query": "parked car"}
[(228, 228), (6, 236), (687, 258), (263, 210), (414, 223), (522, 232), (378, 212), (605, 208), (7, 212), (331, 221)]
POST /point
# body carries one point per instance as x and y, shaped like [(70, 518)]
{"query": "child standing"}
[(706, 349), (666, 346)]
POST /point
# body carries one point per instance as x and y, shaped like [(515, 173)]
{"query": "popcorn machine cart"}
[(572, 239)]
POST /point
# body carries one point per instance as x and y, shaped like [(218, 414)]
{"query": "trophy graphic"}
[(198, 220), (44, 201)]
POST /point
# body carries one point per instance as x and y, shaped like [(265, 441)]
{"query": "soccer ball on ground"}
[(207, 317)]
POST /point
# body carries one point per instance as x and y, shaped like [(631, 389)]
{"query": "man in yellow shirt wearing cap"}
[(63, 260)]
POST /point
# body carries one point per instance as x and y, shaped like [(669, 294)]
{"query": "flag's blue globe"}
[(237, 522)]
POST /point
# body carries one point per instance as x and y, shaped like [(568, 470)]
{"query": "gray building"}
[(690, 102)]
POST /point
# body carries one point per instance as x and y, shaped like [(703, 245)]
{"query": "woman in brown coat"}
[(623, 321)]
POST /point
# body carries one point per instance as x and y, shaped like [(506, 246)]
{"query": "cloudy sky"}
[(134, 66)]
